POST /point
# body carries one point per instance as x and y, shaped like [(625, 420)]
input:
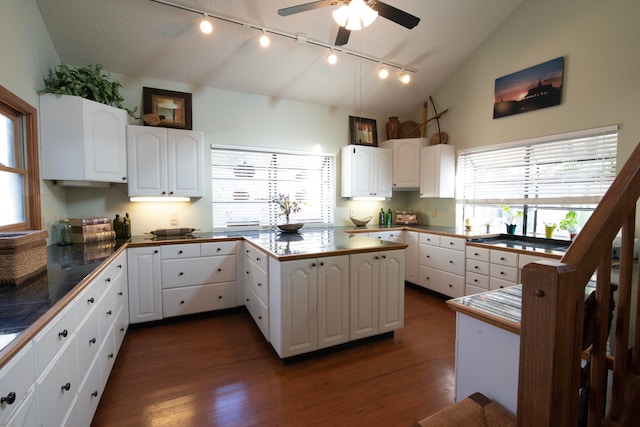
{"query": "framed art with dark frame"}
[(363, 131), (172, 108)]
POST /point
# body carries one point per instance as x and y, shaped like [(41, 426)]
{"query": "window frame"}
[(32, 203)]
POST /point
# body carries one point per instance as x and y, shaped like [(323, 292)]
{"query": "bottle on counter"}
[(64, 232), (388, 218), (118, 226), (382, 217), (126, 226)]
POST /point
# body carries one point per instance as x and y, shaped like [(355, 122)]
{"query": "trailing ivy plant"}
[(89, 82)]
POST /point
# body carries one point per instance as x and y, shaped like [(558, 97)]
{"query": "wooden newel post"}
[(550, 341)]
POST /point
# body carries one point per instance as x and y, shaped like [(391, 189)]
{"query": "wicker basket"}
[(23, 256)]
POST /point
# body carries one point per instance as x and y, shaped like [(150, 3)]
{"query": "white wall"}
[(599, 41)]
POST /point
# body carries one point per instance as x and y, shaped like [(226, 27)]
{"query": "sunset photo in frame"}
[(363, 131), (172, 108), (529, 89)]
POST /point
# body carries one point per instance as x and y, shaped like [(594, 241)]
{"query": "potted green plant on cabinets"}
[(510, 217), (570, 224), (89, 82)]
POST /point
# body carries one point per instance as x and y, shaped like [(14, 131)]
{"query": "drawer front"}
[(88, 341), (479, 267), (257, 256), (472, 290), (504, 273), (17, 377), (120, 326), (185, 250), (25, 414), (495, 283), (107, 355), (456, 243), (448, 260), (88, 398), (198, 271), (440, 281), (477, 280), (58, 386), (390, 236), (198, 299), (90, 296), (258, 311), (218, 248), (258, 280), (504, 258), (429, 239), (53, 337), (480, 254)]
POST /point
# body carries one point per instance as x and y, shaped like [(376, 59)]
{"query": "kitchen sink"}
[(523, 242)]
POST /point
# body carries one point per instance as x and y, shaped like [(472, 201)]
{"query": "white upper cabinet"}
[(165, 162), (406, 162), (82, 140), (438, 171), (366, 171)]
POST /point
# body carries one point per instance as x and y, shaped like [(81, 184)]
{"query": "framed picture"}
[(173, 109), (529, 89), (363, 131)]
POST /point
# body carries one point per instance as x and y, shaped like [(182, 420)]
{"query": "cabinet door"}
[(364, 279), (145, 293), (391, 314), (185, 160), (298, 310), (357, 171), (437, 171), (147, 161), (333, 300), (382, 173), (105, 155), (406, 162), (412, 257)]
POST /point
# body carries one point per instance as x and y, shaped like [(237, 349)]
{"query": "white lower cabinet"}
[(412, 257), (309, 304), (145, 291), (376, 296), (442, 264), (17, 378), (503, 269), (256, 286), (26, 413)]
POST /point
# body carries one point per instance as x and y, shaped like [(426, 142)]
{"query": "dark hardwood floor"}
[(220, 371)]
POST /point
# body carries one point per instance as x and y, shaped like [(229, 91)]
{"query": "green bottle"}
[(388, 218), (382, 217), (118, 226)]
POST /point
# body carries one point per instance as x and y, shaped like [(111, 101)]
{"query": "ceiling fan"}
[(386, 11)]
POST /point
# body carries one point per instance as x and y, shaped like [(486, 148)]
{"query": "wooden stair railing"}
[(553, 295)]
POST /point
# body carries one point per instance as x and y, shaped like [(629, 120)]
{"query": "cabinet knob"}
[(259, 284), (258, 258), (181, 274), (475, 280), (451, 243), (181, 302), (219, 270), (66, 387), (219, 296), (476, 254), (247, 272), (95, 393), (155, 252), (120, 293), (428, 256), (321, 264), (376, 257), (91, 300), (92, 341), (384, 257), (502, 273), (450, 262), (476, 267), (63, 334), (163, 193), (218, 250), (171, 193), (121, 329), (313, 264), (119, 265), (109, 313), (179, 252), (248, 300), (9, 398), (124, 178), (108, 280), (501, 258), (110, 356), (259, 317), (450, 285)]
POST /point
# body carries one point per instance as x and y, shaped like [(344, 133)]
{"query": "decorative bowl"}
[(360, 222), (290, 228)]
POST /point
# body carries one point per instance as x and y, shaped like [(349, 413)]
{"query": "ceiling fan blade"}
[(398, 16), (305, 7), (343, 36)]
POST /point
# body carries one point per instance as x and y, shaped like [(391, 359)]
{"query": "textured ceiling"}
[(148, 39)]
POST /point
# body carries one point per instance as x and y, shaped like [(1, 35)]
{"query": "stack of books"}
[(90, 230)]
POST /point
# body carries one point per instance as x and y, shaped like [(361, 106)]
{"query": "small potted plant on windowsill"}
[(570, 224), (287, 207), (510, 218), (549, 228)]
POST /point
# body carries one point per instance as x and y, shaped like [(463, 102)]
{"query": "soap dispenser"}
[(382, 217)]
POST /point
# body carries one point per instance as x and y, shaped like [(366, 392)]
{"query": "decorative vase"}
[(511, 228), (393, 128), (548, 231)]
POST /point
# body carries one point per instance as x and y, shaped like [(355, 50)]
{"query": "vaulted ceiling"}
[(153, 39)]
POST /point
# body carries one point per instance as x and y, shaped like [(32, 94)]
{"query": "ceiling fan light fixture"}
[(205, 25), (341, 15), (355, 16)]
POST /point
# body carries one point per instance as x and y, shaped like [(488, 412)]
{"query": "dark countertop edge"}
[(28, 334)]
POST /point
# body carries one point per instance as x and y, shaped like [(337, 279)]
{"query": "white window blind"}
[(245, 180), (571, 168)]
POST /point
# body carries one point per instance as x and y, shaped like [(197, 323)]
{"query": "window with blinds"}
[(574, 168), (246, 180)]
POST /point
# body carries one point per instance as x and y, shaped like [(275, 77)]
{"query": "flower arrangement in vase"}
[(288, 207), (510, 218)]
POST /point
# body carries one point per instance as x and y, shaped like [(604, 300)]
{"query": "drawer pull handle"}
[(155, 252), (475, 280), (109, 313), (218, 250), (257, 258), (219, 296), (313, 264), (450, 285), (92, 341), (476, 254), (451, 243), (248, 300), (66, 387), (501, 258), (110, 356), (9, 399), (476, 267), (450, 262), (121, 329), (219, 270), (321, 264), (95, 393), (91, 300), (428, 278), (179, 252), (181, 302), (502, 273), (108, 279), (120, 293), (428, 256), (63, 334), (259, 317), (119, 265), (384, 257), (376, 257), (247, 272), (259, 284)]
